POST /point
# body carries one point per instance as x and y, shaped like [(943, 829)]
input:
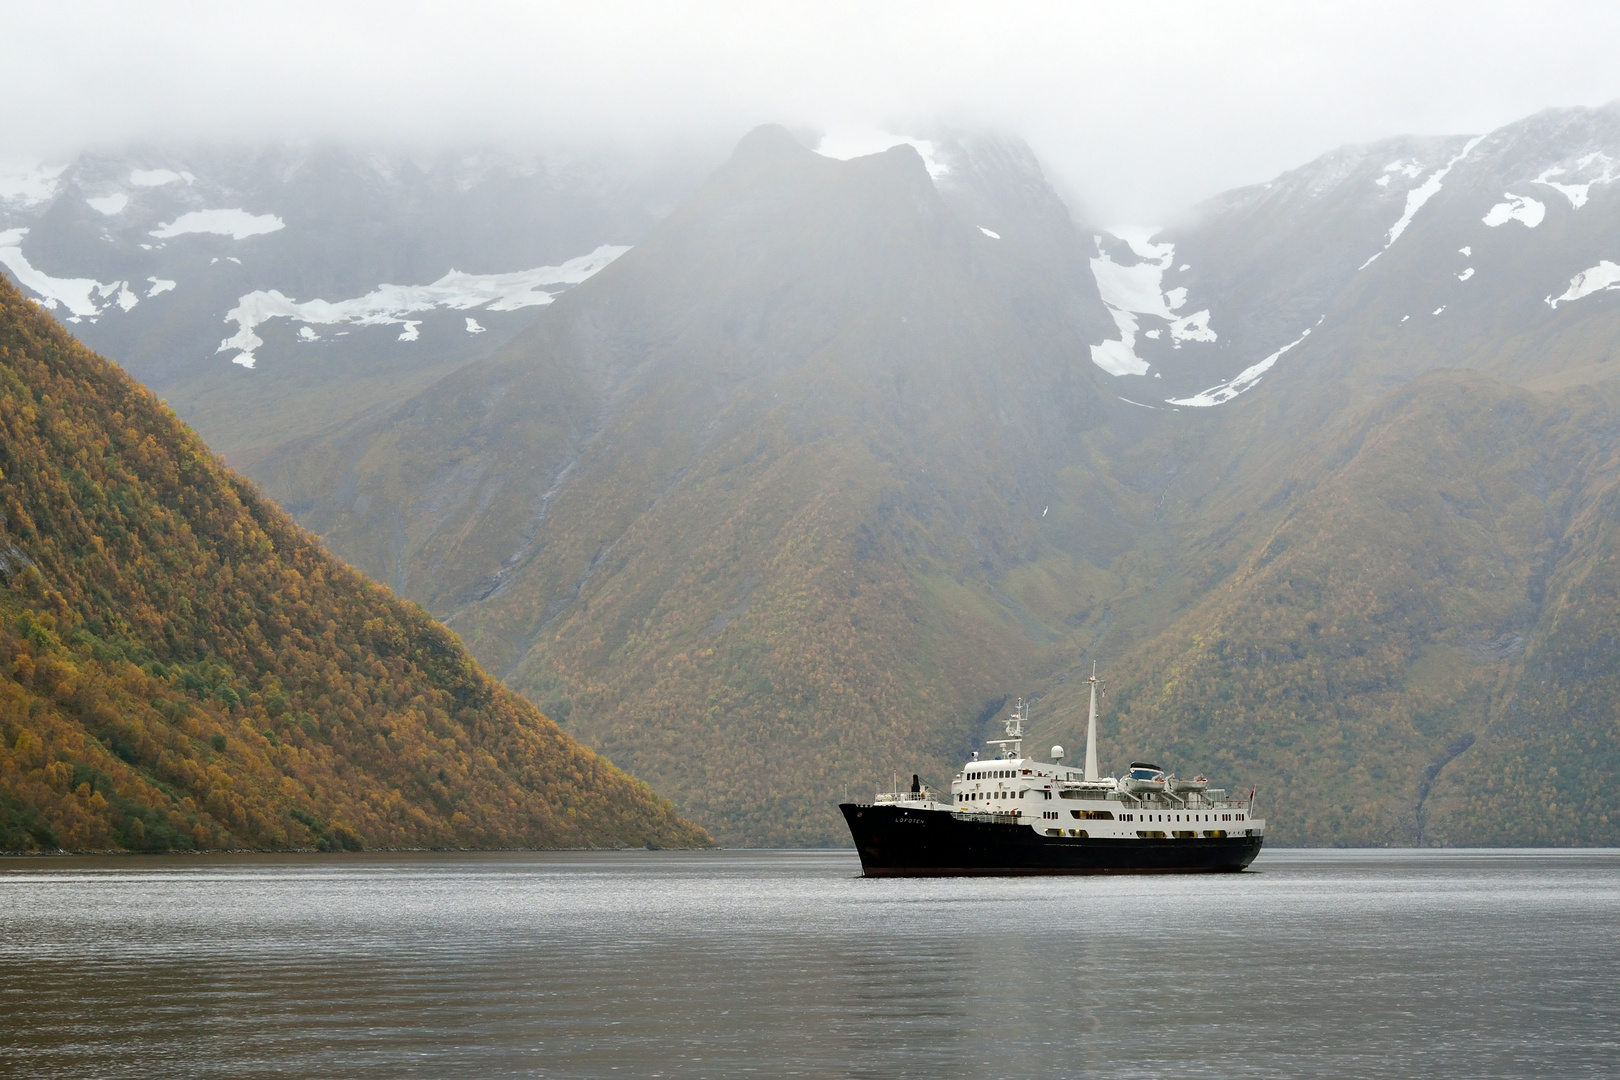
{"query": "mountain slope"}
[(1398, 642), (1376, 629), (1483, 252), (762, 466), (798, 491), (1542, 772), (793, 495), (182, 666), (345, 276)]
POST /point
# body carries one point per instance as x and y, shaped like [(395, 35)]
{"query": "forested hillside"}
[(181, 666), (1416, 647)]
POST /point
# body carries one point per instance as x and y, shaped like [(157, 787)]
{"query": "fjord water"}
[(740, 963)]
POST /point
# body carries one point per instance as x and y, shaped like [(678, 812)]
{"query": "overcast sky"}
[(1137, 109)]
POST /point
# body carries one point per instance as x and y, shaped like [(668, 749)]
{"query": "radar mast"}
[(1015, 730)]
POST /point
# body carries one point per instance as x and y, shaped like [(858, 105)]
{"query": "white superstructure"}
[(1056, 800)]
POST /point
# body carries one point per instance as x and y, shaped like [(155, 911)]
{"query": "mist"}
[(1136, 110)]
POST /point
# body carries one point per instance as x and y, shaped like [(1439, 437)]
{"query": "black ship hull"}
[(897, 842)]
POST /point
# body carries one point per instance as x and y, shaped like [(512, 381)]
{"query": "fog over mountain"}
[(1137, 110)]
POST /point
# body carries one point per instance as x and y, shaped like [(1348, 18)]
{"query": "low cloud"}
[(1137, 109)]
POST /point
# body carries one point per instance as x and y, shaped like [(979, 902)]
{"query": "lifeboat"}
[(1197, 783), (1143, 777)]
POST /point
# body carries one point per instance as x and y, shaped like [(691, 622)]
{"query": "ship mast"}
[(1091, 729), (1015, 730)]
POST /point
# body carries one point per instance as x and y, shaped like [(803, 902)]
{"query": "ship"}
[(1014, 815)]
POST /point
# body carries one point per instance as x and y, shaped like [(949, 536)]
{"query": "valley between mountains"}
[(770, 481)]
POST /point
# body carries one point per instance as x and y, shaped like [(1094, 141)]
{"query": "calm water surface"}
[(716, 964)]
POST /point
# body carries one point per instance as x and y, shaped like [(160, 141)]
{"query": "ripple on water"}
[(1358, 963)]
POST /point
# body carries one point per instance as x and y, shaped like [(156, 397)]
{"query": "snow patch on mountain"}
[(387, 305), (159, 285), (1194, 327), (1138, 289), (1517, 208), (1600, 278), (159, 177), (1466, 274), (238, 224), (847, 143), (29, 184), (1247, 378), (991, 235), (75, 294), (109, 204), (1411, 168), (1119, 357), (1605, 168), (1576, 193), (1420, 195)]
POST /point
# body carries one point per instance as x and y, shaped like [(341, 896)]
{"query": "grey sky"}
[(1136, 109)]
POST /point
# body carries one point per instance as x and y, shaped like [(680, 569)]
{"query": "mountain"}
[(1374, 658), (728, 508), (1477, 252), (184, 667), (793, 494), (853, 446), (271, 292), (1406, 511)]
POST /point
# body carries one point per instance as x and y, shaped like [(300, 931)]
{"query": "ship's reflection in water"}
[(718, 964)]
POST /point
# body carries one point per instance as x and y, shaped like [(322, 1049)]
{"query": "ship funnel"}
[(1091, 729), (1057, 753)]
